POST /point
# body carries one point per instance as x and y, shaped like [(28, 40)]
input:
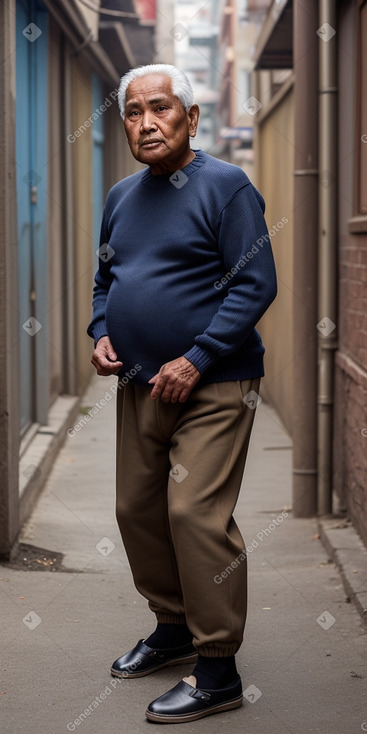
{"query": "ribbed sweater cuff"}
[(200, 358), (100, 329)]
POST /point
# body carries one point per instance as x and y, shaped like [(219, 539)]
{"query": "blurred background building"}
[(213, 44), (62, 148), (196, 34), (281, 86)]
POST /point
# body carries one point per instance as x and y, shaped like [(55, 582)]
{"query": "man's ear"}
[(193, 114)]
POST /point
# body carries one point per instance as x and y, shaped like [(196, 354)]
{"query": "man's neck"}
[(159, 168)]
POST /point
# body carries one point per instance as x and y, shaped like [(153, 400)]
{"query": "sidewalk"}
[(303, 661)]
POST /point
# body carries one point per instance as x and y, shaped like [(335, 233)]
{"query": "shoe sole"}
[(176, 661), (180, 719)]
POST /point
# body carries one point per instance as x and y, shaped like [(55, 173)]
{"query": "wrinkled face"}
[(157, 125)]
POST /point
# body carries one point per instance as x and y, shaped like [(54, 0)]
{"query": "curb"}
[(38, 458), (346, 549)]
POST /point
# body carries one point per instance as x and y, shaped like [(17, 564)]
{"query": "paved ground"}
[(303, 661)]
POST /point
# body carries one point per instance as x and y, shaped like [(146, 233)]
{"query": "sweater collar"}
[(149, 180)]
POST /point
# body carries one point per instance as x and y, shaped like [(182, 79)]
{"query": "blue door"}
[(31, 171)]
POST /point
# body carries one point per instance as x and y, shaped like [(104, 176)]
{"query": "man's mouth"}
[(151, 143)]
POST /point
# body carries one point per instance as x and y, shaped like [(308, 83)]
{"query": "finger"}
[(176, 393), (106, 358), (156, 392), (101, 371), (107, 363), (184, 395), (111, 359), (104, 367), (158, 388), (166, 393), (186, 390), (166, 397)]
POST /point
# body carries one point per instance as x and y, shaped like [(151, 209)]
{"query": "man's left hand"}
[(174, 381)]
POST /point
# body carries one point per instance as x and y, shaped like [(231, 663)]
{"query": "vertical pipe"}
[(305, 45), (327, 314)]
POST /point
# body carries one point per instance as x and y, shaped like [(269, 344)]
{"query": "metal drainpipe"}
[(305, 253), (327, 292)]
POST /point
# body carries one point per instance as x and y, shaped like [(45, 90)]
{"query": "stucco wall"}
[(83, 220), (274, 156)]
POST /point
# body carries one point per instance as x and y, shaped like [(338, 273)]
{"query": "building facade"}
[(239, 29), (196, 50), (311, 163), (62, 147)]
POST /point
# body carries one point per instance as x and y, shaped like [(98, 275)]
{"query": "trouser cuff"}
[(165, 618), (220, 651)]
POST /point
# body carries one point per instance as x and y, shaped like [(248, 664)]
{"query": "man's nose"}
[(147, 122)]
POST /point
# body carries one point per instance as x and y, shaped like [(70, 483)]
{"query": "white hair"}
[(181, 86)]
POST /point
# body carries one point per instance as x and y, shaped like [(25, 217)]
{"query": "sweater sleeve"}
[(97, 327), (249, 279)]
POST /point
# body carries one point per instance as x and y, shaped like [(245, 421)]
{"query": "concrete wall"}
[(82, 105), (274, 156), (119, 161), (55, 245)]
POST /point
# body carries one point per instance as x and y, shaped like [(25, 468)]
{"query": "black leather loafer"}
[(186, 703), (143, 660)]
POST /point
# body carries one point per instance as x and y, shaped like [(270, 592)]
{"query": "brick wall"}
[(350, 416)]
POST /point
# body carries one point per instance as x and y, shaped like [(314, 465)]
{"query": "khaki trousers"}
[(179, 472)]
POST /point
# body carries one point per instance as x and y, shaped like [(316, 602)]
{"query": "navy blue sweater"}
[(186, 269)]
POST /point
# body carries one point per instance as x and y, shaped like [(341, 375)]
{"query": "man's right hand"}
[(104, 358)]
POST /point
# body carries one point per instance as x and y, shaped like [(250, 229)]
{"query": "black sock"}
[(169, 635), (212, 673)]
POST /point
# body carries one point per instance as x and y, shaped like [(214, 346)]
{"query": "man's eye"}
[(133, 113), (161, 108)]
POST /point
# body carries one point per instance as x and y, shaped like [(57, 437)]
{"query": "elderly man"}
[(185, 273)]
